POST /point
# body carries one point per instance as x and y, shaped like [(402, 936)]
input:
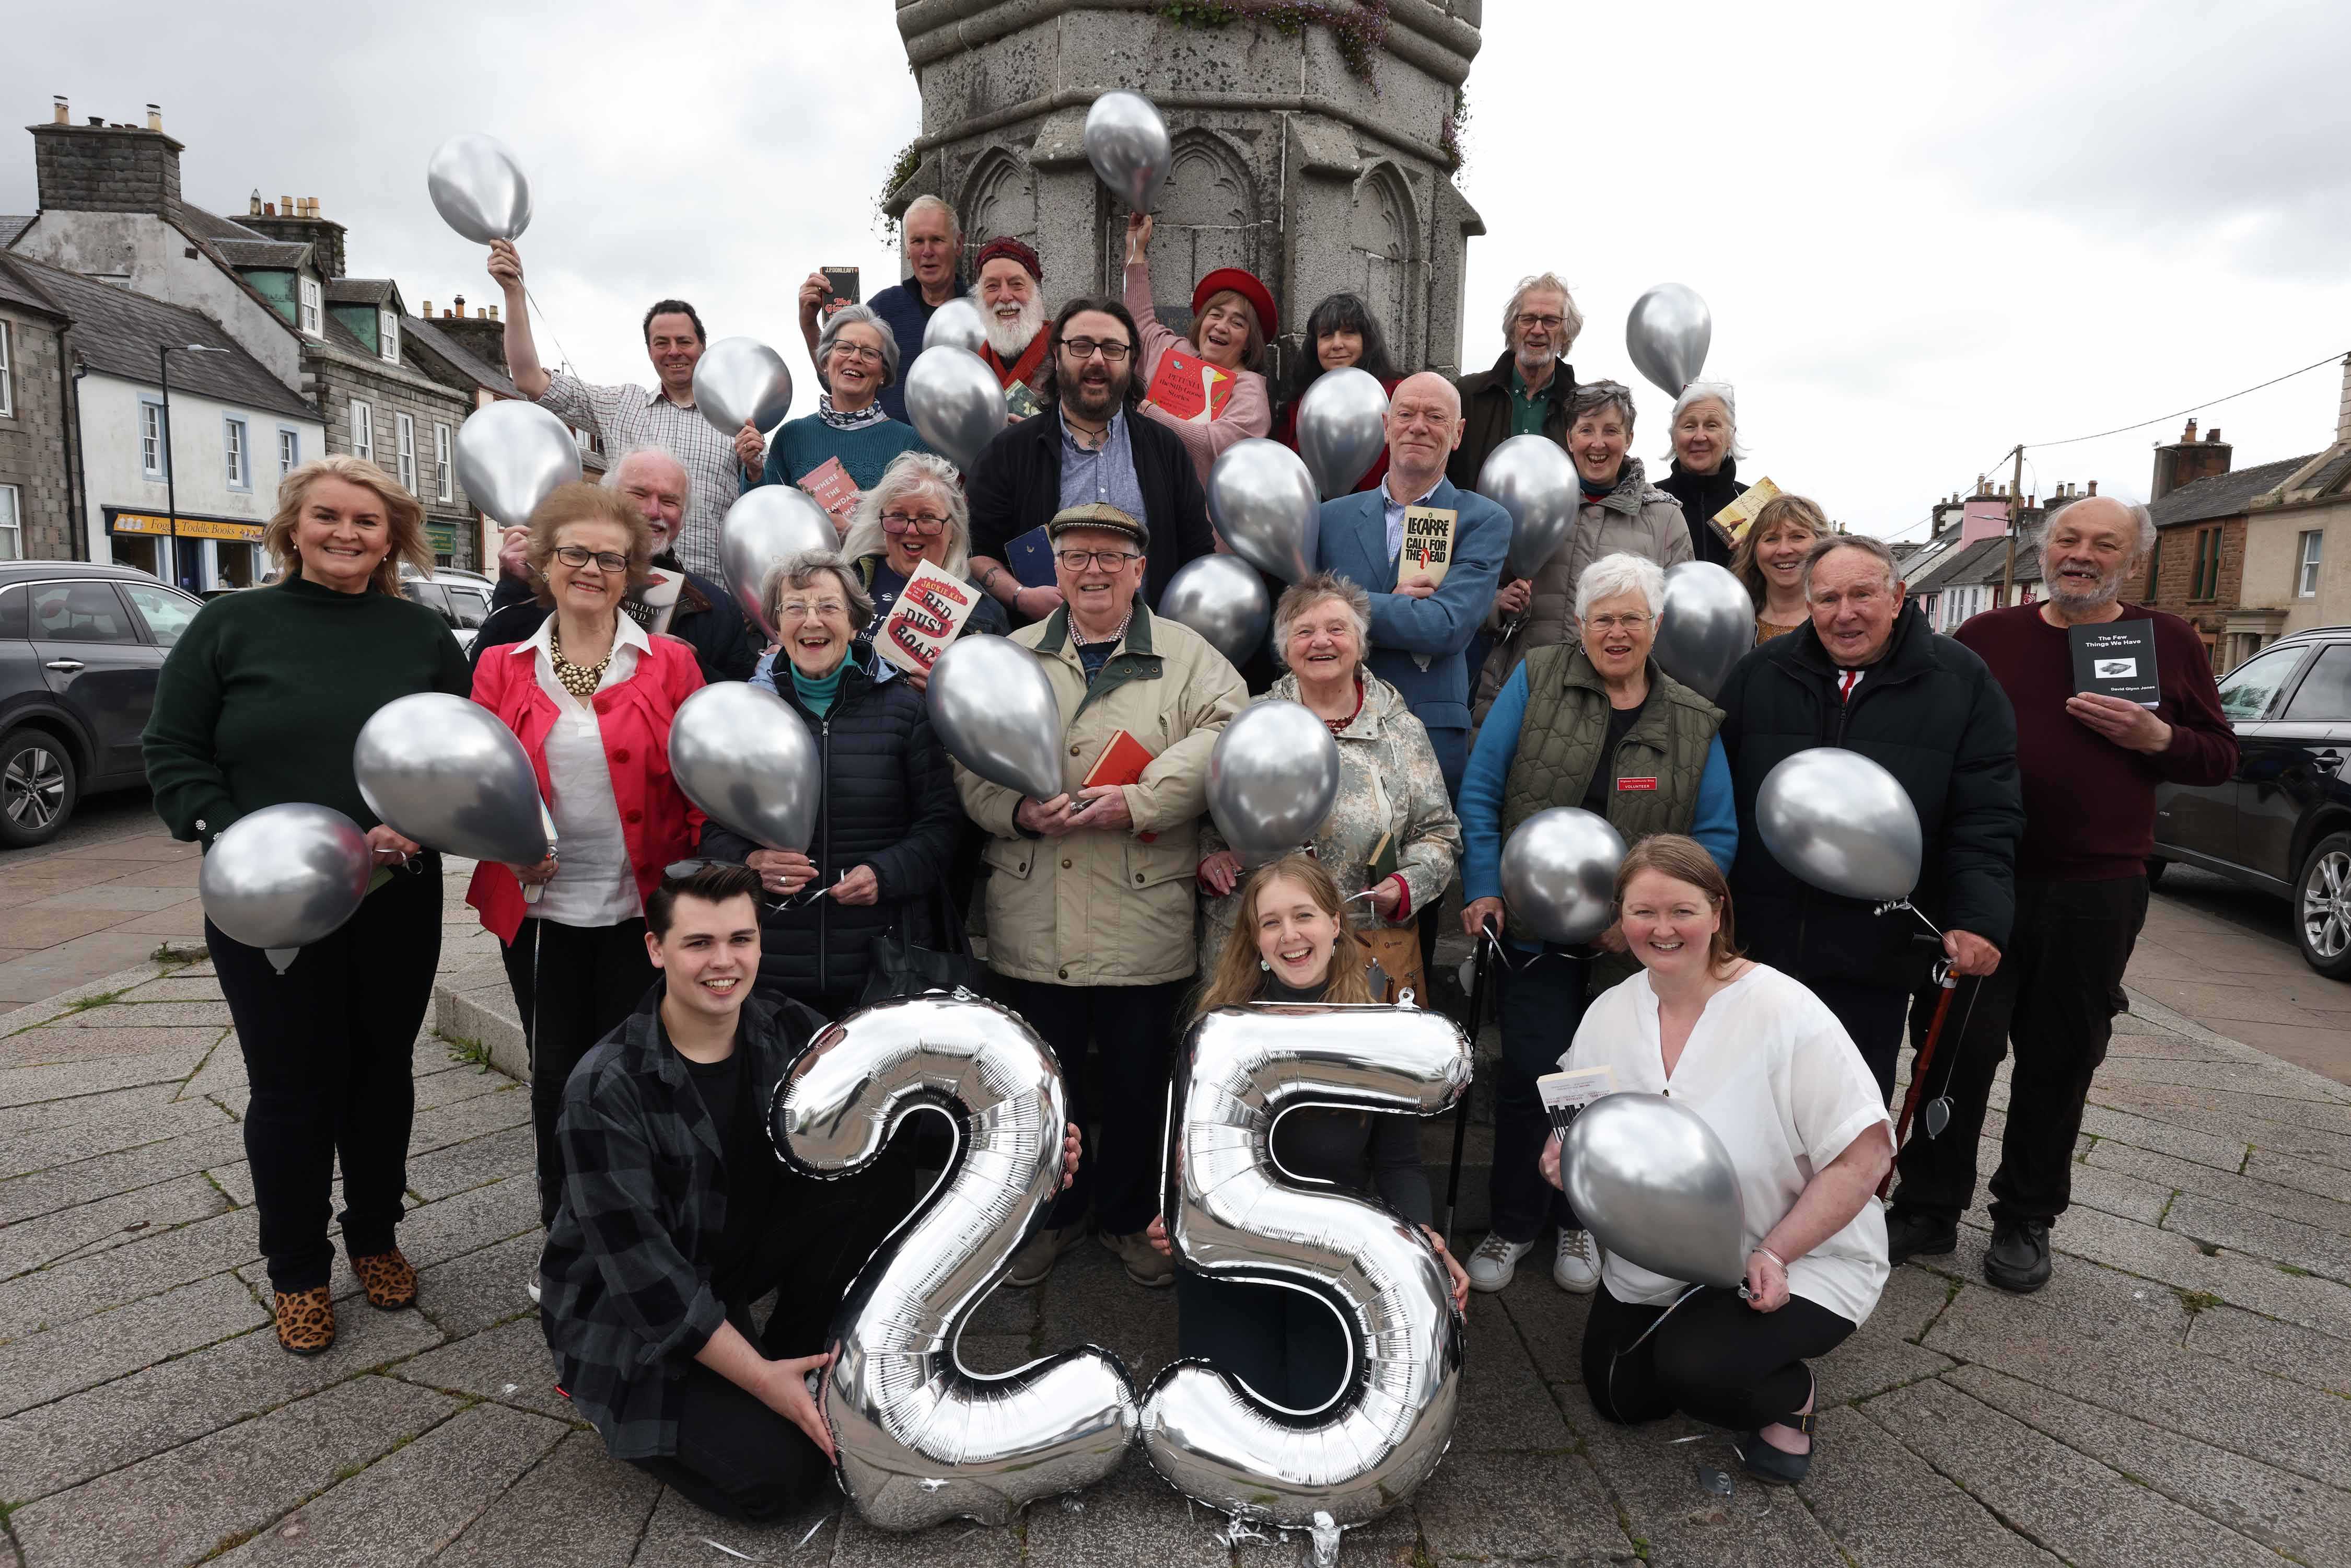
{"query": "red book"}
[(1122, 763), (834, 490), (1190, 388)]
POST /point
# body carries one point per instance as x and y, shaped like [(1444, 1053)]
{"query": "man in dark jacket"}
[(685, 604), (1868, 675), (1527, 391), (1087, 447)]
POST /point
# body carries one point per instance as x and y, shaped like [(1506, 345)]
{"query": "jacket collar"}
[(856, 680), (1379, 699), (758, 1030), (1562, 382), (1131, 659), (1632, 482), (1909, 651)]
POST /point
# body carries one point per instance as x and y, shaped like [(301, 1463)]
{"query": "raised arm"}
[(530, 378)]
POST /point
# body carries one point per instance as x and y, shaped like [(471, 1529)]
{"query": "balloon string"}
[(1892, 904), (548, 323)]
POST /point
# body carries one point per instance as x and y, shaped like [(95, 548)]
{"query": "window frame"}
[(288, 434), (444, 460), (362, 424), (310, 307), (2309, 555), (151, 410), (387, 334), (236, 449), (12, 521), (2204, 584), (7, 376), (404, 450)]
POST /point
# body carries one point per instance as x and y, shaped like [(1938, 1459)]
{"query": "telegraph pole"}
[(2015, 514)]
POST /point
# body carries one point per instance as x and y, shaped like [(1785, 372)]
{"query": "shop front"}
[(202, 555)]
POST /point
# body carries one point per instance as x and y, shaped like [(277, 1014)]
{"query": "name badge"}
[(1637, 784)]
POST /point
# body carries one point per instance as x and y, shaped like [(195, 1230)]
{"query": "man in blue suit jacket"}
[(1418, 630)]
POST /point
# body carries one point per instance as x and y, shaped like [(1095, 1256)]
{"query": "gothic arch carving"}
[(999, 198), (1383, 235), (1208, 217)]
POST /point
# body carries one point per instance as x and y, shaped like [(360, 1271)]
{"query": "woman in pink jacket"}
[(1232, 317), (591, 696)]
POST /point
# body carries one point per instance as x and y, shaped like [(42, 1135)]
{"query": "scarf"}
[(1025, 368), (870, 414)]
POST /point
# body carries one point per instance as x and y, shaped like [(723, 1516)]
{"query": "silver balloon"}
[(478, 188), (762, 530), (740, 381), (1232, 1214), (919, 1438), (1223, 599), (1707, 626), (444, 771), (1841, 822), (284, 877), (1559, 875), (957, 324), (511, 455), (1667, 334), (1656, 1184), (996, 713), (1263, 502), (956, 402), (1531, 479), (741, 754), (1273, 775), (1126, 141), (1342, 428)]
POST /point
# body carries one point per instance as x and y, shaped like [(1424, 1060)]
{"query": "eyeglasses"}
[(1108, 560), (913, 523), (1083, 348), (1619, 623), (860, 352), (802, 610), (1548, 323), (578, 555)]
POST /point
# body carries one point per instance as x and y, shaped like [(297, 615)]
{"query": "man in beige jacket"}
[(1090, 893)]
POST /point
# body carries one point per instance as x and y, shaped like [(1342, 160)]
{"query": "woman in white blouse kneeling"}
[(1770, 1069)]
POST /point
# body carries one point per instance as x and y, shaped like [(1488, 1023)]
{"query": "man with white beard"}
[(1012, 310)]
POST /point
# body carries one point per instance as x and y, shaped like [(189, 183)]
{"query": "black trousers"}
[(1540, 1003), (328, 1053), (2053, 999), (1285, 1345), (572, 985), (1873, 1016), (1719, 1361), (1122, 1103)]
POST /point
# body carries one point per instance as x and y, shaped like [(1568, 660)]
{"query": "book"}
[(1190, 388), (2116, 659), (1381, 864), (1735, 516), (1020, 403), (1030, 557), (834, 490), (1566, 1093), (924, 617), (1428, 542), (1122, 763)]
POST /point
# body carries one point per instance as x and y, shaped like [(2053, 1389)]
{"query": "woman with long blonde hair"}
[(1769, 560)]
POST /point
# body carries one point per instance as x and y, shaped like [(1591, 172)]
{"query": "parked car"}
[(463, 598), (2284, 822), (81, 645)]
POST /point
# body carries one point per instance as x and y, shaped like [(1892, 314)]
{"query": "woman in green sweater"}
[(856, 357), (259, 704)]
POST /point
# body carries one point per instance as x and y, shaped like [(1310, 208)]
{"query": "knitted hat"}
[(1006, 245)]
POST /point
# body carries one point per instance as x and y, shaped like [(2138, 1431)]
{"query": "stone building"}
[(36, 456), (1320, 159)]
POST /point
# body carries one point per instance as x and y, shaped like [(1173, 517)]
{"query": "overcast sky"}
[(1926, 233)]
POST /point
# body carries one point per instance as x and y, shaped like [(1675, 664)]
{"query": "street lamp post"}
[(171, 481)]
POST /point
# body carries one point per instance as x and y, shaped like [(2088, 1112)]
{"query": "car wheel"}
[(2155, 870), (2321, 904), (37, 788)]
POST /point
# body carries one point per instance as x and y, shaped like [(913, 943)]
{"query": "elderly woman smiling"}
[(1390, 836), (916, 512), (1232, 317), (1594, 724), (1770, 561), (1704, 428), (856, 357)]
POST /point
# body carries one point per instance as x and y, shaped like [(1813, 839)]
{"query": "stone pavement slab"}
[(40, 1368), (1887, 1508), (575, 1509), (115, 1222)]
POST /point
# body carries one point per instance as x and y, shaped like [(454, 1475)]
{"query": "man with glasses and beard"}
[(1085, 449)]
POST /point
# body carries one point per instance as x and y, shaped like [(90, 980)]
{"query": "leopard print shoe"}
[(305, 1321), (389, 1278)]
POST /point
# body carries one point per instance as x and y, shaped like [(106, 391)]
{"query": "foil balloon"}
[(1707, 625), (993, 707), (1223, 599), (740, 381), (1264, 505), (1126, 141), (1841, 823), (741, 754), (765, 529), (957, 324), (444, 771), (919, 1440), (1656, 1184), (511, 455), (284, 877), (1531, 479), (1559, 875), (1232, 1214), (1667, 334), (956, 402), (478, 188), (1342, 428), (1273, 775)]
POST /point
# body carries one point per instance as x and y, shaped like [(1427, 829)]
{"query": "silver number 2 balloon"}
[(1234, 1215), (920, 1440)]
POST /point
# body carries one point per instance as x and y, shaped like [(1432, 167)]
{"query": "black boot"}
[(1766, 1463), (2019, 1258), (1913, 1233)]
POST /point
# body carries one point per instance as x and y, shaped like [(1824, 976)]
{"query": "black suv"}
[(80, 648), (2283, 821)]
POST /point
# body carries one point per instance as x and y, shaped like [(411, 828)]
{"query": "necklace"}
[(580, 681)]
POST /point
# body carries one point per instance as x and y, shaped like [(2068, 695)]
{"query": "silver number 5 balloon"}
[(920, 1440), (1233, 1215)]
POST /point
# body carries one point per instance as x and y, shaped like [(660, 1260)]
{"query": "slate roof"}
[(422, 334), (212, 225), (286, 254), (10, 227), (1957, 567), (2223, 495), (21, 289), (2325, 481), (360, 291)]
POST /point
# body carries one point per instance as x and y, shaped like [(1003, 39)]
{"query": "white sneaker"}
[(533, 1289), (1496, 1261), (1576, 1269)]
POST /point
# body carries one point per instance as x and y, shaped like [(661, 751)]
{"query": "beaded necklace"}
[(579, 680)]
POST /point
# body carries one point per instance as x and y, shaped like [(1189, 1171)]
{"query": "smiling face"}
[(1222, 331), (1337, 349), (342, 536), (1853, 606), (1009, 307), (1100, 595), (656, 482), (1092, 387), (1424, 424), (2091, 550), (1539, 330), (1618, 632), (853, 366), (1597, 442), (1780, 553), (1668, 924), (812, 620), (1294, 934), (674, 347), (591, 590), (908, 517), (1702, 436), (709, 955), (1323, 647)]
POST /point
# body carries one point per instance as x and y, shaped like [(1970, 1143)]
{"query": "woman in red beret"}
[(1232, 316)]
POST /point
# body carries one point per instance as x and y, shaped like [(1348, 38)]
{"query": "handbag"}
[(1395, 952), (901, 967)]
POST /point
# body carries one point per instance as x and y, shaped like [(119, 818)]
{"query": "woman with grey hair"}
[(837, 452), (1391, 837), (915, 512), (1705, 478), (1622, 513), (1594, 724)]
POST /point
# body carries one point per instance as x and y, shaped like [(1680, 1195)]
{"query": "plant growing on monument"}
[(1360, 28)]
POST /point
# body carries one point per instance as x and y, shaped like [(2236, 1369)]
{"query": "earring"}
[(1266, 966)]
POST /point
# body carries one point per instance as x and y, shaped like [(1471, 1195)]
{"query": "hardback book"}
[(1122, 763), (1030, 557), (1735, 516), (834, 490), (1190, 388), (2116, 659), (924, 617)]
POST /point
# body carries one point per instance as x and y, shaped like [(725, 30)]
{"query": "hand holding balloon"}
[(1550, 1162), (1105, 811), (1453, 1271), (1767, 1282), (858, 885), (750, 448), (1970, 953), (389, 848), (782, 871), (506, 265), (538, 875), (1513, 598), (1074, 1149), (1045, 818), (1220, 871), (1138, 236)]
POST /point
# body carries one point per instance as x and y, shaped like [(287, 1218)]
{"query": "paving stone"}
[(2102, 1302), (1889, 1509), (509, 1363), (2306, 1176), (1544, 1507), (680, 1533), (461, 1120), (1504, 1404), (40, 1367), (2239, 1229), (409, 1504), (87, 1285), (983, 1354), (181, 985), (448, 1085), (64, 1046), (1652, 1481), (1879, 1355), (1549, 1321), (23, 1085), (114, 1221), (470, 1220), (957, 1542), (460, 1168), (1004, 1311), (2102, 1122), (576, 1509), (88, 1140), (2262, 1077), (221, 1076), (143, 1014), (41, 1115), (2297, 1203), (2284, 1126), (177, 1506), (476, 1289), (1089, 1300), (2177, 1261), (2080, 1510), (2286, 1350), (1132, 1517), (2298, 1517)]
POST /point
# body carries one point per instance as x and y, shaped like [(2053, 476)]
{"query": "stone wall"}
[(32, 437), (391, 390), (105, 168)]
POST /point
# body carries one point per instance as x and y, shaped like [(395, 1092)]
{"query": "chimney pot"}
[(2093, 486), (253, 203), (461, 305), (269, 209), (60, 112), (98, 119), (2191, 435), (154, 117), (427, 311), (494, 312), (2213, 433)]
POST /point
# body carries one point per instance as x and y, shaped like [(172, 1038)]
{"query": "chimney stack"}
[(2188, 460), (2093, 486), (102, 167), (2190, 434)]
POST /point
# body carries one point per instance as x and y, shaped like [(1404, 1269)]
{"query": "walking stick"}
[(1920, 1062), (1477, 969)]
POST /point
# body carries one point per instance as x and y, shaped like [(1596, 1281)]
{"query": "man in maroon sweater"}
[(2090, 766)]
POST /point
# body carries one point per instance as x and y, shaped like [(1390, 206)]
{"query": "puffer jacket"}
[(1635, 517), (889, 802), (1109, 908)]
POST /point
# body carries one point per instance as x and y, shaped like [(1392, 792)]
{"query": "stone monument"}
[(1314, 144)]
